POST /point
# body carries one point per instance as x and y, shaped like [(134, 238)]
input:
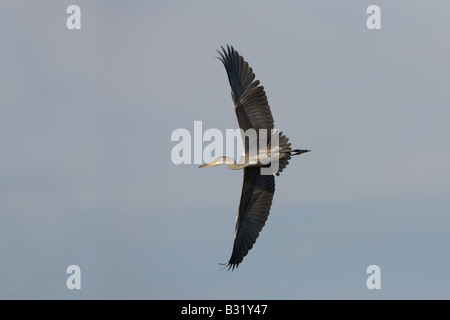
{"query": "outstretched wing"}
[(254, 208), (249, 98)]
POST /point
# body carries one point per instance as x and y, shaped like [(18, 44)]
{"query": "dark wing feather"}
[(254, 208), (249, 98)]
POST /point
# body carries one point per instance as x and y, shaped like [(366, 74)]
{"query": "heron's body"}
[(253, 112)]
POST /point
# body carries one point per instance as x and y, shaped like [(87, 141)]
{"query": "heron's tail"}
[(286, 152), (285, 148)]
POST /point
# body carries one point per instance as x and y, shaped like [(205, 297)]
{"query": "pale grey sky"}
[(85, 171)]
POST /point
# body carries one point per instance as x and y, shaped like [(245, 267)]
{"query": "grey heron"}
[(253, 112)]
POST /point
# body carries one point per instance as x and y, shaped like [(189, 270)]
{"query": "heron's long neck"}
[(231, 164), (235, 166)]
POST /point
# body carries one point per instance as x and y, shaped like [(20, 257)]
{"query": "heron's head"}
[(218, 161)]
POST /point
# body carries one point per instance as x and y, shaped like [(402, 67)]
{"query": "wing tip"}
[(229, 266)]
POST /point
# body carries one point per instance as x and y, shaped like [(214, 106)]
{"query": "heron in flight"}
[(253, 112)]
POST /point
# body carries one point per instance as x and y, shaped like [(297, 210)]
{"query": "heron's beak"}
[(206, 165)]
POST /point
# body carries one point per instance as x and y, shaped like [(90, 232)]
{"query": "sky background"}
[(86, 176)]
